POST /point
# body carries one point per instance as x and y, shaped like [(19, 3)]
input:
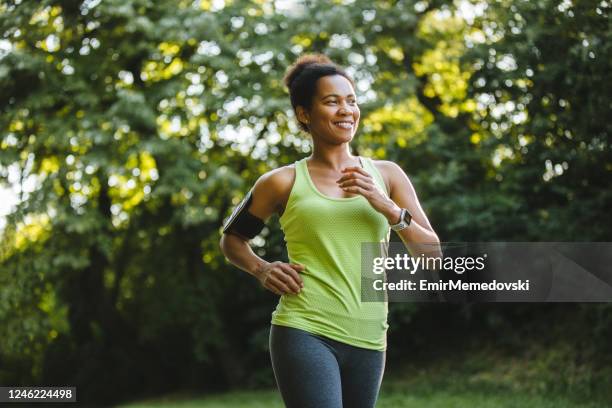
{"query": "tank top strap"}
[(299, 189), (372, 169), (300, 184)]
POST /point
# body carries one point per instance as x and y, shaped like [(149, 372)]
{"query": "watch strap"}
[(404, 221)]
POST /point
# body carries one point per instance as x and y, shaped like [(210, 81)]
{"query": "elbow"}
[(222, 244), (434, 248), (438, 247), (230, 244)]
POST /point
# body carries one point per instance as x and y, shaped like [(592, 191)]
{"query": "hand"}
[(280, 277), (358, 181)]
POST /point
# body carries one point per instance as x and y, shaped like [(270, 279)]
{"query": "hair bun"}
[(301, 64)]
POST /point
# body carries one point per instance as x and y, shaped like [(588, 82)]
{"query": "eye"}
[(330, 102), (352, 102)]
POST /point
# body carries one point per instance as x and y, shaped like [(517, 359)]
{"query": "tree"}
[(144, 123)]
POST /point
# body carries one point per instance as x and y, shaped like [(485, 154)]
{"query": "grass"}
[(482, 379), (396, 393), (240, 399), (396, 399)]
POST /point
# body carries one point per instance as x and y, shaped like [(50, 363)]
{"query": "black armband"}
[(242, 221)]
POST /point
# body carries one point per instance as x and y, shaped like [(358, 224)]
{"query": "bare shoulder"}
[(390, 172), (387, 166), (277, 180), (271, 191)]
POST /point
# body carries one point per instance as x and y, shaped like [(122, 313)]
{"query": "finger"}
[(275, 291), (298, 267), (296, 274), (279, 285), (291, 278), (297, 279), (282, 280), (272, 288), (353, 175), (356, 190), (357, 183), (366, 184), (359, 170)]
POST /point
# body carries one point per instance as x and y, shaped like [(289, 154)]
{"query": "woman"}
[(327, 346)]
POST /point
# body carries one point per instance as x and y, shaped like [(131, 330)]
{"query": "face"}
[(334, 114)]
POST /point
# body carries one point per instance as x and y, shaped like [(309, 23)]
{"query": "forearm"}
[(420, 240), (239, 253), (417, 238)]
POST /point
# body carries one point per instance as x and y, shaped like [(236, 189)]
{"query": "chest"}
[(324, 181)]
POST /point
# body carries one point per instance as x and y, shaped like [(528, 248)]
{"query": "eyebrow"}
[(337, 96)]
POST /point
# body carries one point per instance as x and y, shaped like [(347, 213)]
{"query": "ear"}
[(302, 115)]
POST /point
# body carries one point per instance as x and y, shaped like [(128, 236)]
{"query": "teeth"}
[(345, 125)]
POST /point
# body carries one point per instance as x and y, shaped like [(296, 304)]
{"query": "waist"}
[(362, 324)]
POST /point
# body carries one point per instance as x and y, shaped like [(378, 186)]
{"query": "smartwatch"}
[(404, 221)]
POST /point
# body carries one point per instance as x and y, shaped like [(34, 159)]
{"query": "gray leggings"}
[(313, 371)]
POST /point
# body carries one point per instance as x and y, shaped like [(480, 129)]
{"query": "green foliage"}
[(144, 122)]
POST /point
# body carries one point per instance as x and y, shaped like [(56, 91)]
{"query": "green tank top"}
[(325, 234)]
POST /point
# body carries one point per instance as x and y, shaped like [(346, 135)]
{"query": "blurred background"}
[(131, 128)]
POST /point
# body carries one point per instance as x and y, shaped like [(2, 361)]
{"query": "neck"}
[(334, 157)]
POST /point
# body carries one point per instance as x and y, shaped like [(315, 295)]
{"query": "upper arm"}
[(267, 196), (271, 191), (402, 192)]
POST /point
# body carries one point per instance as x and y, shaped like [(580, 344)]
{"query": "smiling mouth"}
[(344, 124)]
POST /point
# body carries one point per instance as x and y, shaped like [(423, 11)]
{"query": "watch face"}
[(407, 217)]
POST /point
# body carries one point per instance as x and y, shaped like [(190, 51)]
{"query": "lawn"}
[(474, 380), (390, 397)]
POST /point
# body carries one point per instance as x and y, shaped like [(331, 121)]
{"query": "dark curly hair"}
[(302, 76)]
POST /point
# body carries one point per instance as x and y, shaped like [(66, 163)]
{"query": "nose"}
[(344, 110)]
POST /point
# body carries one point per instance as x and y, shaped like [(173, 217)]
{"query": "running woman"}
[(327, 346)]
